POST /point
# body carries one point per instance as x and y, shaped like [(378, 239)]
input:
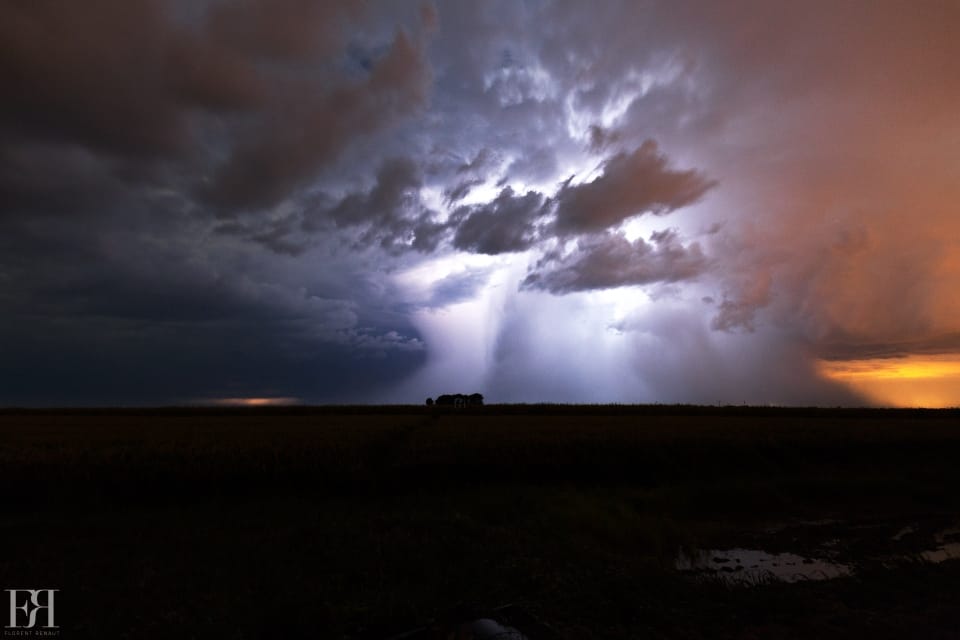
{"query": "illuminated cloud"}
[(610, 260), (505, 225), (631, 184), (708, 199)]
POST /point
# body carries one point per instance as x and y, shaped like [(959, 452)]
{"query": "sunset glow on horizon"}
[(256, 402), (931, 381)]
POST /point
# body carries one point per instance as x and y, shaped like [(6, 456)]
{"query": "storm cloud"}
[(312, 125), (333, 201), (610, 260), (631, 184), (506, 224)]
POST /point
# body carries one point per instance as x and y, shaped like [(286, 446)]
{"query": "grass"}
[(362, 521)]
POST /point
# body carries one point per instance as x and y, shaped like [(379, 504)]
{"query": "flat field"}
[(363, 522)]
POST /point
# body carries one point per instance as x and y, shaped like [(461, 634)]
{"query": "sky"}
[(273, 201)]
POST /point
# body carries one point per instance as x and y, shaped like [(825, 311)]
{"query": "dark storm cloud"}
[(128, 128), (610, 260), (240, 178), (631, 184), (227, 190), (111, 361), (839, 347), (395, 192), (312, 125), (277, 235), (126, 75), (92, 74), (283, 29), (133, 77), (121, 318), (390, 215), (393, 215), (44, 179), (504, 225), (427, 234)]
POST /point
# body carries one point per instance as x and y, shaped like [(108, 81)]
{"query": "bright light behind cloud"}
[(644, 201), (460, 336), (418, 280), (910, 381), (485, 192)]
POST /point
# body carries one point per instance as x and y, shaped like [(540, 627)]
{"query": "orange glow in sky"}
[(255, 402), (908, 381)]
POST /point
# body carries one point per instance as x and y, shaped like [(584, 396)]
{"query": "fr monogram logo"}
[(25, 604)]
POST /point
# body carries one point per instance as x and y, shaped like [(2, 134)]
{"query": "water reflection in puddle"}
[(947, 551), (947, 546), (755, 565)]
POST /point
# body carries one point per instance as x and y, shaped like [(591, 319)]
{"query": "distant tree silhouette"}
[(429, 402), (460, 400)]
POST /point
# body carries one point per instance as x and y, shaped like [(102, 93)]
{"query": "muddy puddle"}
[(948, 546), (832, 557), (751, 566)]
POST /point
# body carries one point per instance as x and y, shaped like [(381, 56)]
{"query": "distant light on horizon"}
[(908, 381), (255, 402)]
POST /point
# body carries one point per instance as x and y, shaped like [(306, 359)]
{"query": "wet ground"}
[(369, 523), (824, 550)]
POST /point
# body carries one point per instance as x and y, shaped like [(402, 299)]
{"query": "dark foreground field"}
[(365, 522)]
